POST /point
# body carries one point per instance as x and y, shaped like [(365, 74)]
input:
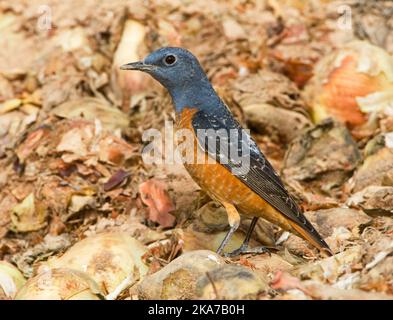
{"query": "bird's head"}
[(177, 69)]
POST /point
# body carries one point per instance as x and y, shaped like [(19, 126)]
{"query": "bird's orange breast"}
[(219, 182)]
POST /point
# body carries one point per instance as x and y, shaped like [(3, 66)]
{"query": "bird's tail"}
[(313, 237)]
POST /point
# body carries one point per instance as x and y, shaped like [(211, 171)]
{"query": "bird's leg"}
[(234, 222), (246, 241), (244, 247)]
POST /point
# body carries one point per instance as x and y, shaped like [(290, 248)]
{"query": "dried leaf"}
[(156, 197), (116, 179), (28, 215)]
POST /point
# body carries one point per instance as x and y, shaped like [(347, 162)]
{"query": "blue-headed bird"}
[(234, 171)]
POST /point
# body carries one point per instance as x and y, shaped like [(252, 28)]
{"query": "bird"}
[(231, 168)]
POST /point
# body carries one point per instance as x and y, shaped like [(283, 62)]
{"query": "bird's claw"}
[(245, 249)]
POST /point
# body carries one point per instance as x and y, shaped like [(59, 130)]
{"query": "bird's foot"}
[(245, 249)]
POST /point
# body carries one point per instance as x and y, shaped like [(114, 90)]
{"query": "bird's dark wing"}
[(238, 152)]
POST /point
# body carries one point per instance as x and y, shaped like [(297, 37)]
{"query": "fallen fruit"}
[(230, 283), (350, 83), (178, 279), (108, 258), (60, 284), (11, 280)]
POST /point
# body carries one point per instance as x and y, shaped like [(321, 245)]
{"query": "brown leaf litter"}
[(79, 207)]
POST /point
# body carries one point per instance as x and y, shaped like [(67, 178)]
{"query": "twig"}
[(126, 283), (214, 285)]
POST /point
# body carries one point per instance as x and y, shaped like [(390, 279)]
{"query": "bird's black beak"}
[(137, 66)]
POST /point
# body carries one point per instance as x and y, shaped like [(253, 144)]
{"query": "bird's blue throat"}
[(199, 94)]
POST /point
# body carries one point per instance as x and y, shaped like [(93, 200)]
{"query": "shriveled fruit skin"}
[(231, 282), (178, 279), (11, 280), (350, 83), (108, 258), (60, 284)]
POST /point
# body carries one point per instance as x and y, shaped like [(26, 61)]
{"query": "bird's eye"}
[(170, 59)]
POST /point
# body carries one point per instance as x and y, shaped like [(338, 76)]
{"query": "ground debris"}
[(315, 92)]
